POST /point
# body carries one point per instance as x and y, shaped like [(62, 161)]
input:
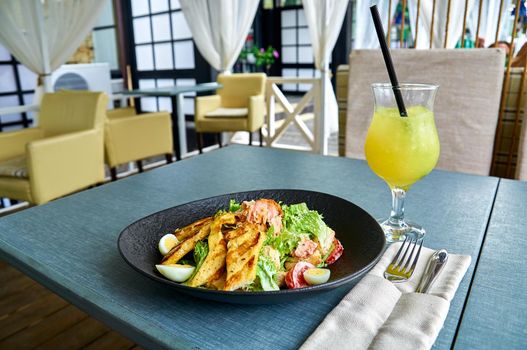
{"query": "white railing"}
[(274, 129), (18, 109)]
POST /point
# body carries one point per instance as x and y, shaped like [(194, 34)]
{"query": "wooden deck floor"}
[(32, 317)]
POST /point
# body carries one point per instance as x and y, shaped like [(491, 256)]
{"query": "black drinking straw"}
[(388, 60)]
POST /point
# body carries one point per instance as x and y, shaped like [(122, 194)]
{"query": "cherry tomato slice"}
[(335, 253), (295, 277)]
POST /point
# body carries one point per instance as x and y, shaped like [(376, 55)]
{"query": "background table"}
[(69, 245), (177, 99), (496, 312)]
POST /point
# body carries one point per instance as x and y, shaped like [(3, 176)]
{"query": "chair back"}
[(466, 107), (237, 88), (521, 167), (69, 111)]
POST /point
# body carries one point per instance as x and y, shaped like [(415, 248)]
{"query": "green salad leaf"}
[(266, 273), (299, 219), (285, 242), (234, 206), (201, 250)]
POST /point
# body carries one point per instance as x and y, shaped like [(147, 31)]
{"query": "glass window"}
[(165, 104), (147, 83), (142, 32), (144, 58), (184, 54), (13, 94), (289, 36), (163, 56), (149, 104), (139, 7), (289, 72), (4, 54), (305, 73), (289, 54), (158, 6), (106, 17), (29, 99), (164, 49), (161, 27), (165, 82), (28, 79), (305, 54), (7, 79), (105, 47), (8, 101), (180, 29), (188, 106), (175, 5), (303, 36), (289, 18), (11, 118), (186, 82), (301, 18)]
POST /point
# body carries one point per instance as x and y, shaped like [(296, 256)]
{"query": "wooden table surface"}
[(496, 313), (69, 245)]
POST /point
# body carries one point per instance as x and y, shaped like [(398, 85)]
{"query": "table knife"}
[(433, 268)]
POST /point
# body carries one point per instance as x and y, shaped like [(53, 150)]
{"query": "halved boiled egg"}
[(166, 243), (176, 272), (316, 275)]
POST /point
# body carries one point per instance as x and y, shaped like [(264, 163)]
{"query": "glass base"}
[(397, 232)]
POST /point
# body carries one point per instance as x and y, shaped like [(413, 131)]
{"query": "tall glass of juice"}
[(402, 149)]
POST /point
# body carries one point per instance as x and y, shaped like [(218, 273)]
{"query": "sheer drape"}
[(365, 37), (489, 21), (219, 28), (455, 24), (324, 18), (43, 34)]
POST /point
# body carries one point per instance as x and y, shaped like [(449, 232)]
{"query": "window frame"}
[(24, 120)]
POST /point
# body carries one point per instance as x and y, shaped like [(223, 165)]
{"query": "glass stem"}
[(397, 214)]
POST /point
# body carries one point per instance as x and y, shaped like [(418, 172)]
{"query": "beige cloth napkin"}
[(378, 314)]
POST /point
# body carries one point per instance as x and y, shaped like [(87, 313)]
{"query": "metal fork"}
[(401, 270)]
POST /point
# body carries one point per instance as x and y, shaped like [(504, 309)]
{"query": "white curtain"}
[(365, 36), (219, 28), (324, 18), (455, 24), (489, 21), (43, 34)]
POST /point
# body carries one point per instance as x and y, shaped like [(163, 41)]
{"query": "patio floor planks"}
[(32, 317)]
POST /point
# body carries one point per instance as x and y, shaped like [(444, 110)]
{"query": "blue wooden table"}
[(69, 245), (496, 313)]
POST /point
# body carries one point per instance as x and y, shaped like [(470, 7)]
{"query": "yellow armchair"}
[(64, 154), (130, 137), (238, 106), (13, 144)]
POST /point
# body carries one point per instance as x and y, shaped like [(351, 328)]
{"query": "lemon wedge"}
[(316, 276), (166, 243), (176, 272)]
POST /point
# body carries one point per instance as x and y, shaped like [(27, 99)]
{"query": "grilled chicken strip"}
[(185, 247), (242, 256), (215, 261), (191, 230)]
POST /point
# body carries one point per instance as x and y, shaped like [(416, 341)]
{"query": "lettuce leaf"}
[(201, 250), (234, 206), (300, 220), (285, 242), (266, 273)]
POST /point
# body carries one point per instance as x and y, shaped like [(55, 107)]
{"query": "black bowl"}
[(361, 236)]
